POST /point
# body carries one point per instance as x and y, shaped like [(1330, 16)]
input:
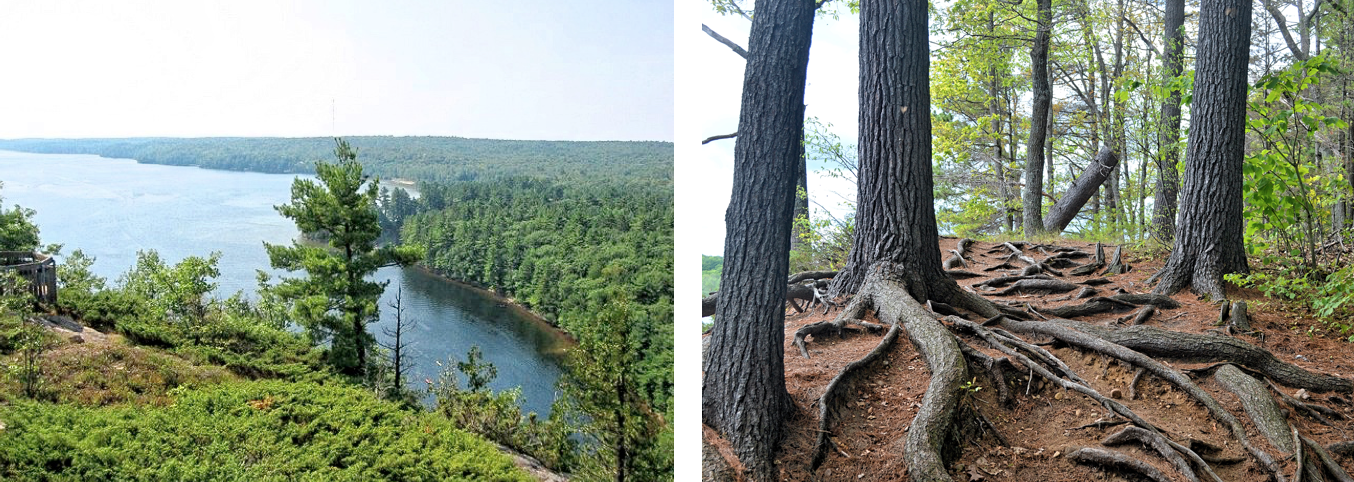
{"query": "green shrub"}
[(268, 430)]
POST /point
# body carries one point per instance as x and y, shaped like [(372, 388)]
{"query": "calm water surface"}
[(110, 208)]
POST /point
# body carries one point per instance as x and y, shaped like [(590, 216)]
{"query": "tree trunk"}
[(895, 218), (1043, 96), (802, 185), (1208, 242), (1168, 179), (1067, 208), (743, 396)]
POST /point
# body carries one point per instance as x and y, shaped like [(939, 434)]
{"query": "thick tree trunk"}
[(1208, 241), (1168, 179), (743, 396), (1043, 95), (895, 218), (1080, 191)]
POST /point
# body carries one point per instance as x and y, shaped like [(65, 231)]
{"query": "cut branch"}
[(729, 43)]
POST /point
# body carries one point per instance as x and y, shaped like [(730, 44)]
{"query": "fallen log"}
[(1086, 185)]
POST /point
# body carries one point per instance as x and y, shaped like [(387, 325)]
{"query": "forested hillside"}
[(561, 250), (438, 159)]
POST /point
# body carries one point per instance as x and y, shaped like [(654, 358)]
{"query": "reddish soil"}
[(1042, 423)]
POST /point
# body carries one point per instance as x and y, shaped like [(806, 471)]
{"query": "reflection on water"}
[(110, 208)]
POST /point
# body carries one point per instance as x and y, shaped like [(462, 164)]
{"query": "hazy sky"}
[(709, 90), (533, 69)]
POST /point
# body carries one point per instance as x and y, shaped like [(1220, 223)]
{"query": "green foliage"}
[(32, 340), (179, 291), (266, 430), (498, 416), (1288, 195), (560, 249), (430, 159), (823, 244), (335, 301), (632, 440), (711, 267), (1330, 297), (17, 231)]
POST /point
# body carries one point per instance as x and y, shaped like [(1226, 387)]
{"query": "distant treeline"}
[(559, 249), (430, 159)]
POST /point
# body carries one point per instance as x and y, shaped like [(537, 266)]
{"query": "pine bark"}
[(895, 218), (1043, 96), (1168, 179), (744, 396), (1208, 240)]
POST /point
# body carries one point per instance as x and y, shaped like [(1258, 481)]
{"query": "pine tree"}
[(335, 301)]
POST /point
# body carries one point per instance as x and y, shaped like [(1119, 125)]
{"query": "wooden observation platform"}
[(39, 269)]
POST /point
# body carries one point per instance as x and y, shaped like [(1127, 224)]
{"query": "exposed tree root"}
[(830, 403), (1093, 306), (1195, 348), (1116, 266), (1316, 412), (1037, 286), (1156, 442), (961, 274), (805, 275), (1333, 469), (1002, 281), (930, 438), (1115, 459), (1260, 407), (1091, 342), (995, 368)]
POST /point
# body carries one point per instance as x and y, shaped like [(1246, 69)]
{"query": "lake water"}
[(110, 208)]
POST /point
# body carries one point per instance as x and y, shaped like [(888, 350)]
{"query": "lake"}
[(110, 208)]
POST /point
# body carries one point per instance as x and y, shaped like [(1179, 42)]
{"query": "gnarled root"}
[(835, 395), (1156, 442), (1195, 348), (1115, 459), (1087, 341)]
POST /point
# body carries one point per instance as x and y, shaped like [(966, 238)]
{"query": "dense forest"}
[(559, 249), (439, 159), (1150, 210)]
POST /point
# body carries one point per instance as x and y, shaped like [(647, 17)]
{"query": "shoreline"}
[(564, 338)]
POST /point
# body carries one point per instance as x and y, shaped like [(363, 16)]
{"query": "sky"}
[(709, 89), (528, 69)]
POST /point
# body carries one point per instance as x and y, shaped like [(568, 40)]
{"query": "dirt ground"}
[(1042, 424)]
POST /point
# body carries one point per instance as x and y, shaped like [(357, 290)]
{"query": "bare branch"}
[(729, 43), (718, 137)]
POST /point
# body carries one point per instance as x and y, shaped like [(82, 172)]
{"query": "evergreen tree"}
[(335, 301)]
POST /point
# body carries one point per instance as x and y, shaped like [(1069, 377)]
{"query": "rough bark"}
[(1260, 407), (1076, 196), (1208, 241), (1043, 96), (1168, 178), (895, 218), (744, 396)]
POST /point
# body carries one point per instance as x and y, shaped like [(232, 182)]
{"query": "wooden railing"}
[(39, 269)]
